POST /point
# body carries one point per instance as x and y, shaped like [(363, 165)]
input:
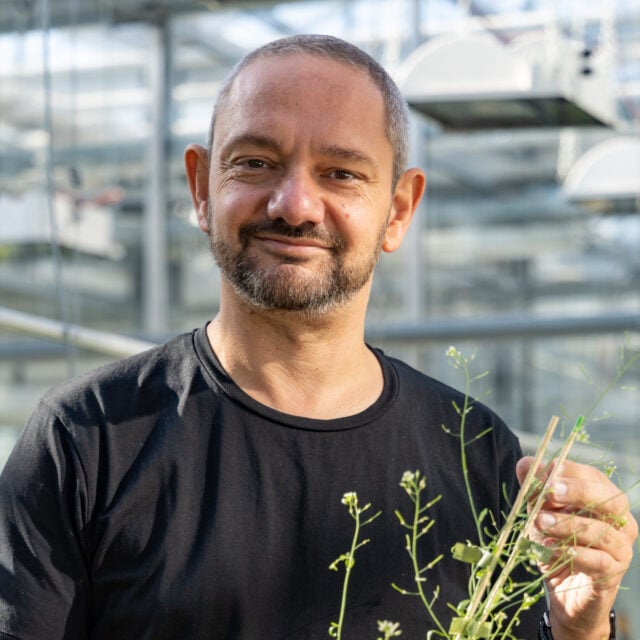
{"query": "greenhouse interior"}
[(524, 253)]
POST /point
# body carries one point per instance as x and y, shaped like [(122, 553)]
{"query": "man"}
[(194, 491)]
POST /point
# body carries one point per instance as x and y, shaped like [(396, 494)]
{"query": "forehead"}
[(321, 95), (286, 70)]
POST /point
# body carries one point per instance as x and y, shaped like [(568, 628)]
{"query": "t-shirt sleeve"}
[(43, 565)]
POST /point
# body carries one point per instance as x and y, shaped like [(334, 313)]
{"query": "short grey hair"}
[(395, 106)]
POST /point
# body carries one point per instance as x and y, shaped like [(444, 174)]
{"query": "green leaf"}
[(470, 629), (465, 552)]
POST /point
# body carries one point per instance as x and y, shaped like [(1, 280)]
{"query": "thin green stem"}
[(349, 559), (415, 536), (621, 371), (347, 573), (463, 455), (507, 529), (524, 534)]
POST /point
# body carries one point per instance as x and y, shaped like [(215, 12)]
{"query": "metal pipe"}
[(111, 344), (505, 326), (512, 326), (155, 276)]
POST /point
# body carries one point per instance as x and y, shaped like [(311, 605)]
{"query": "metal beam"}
[(111, 344), (21, 15), (505, 326), (508, 326), (155, 273)]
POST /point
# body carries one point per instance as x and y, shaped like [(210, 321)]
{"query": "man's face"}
[(300, 183)]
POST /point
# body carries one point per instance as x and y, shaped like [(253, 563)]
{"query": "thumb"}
[(522, 468)]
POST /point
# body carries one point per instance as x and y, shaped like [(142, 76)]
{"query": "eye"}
[(255, 163), (342, 174)]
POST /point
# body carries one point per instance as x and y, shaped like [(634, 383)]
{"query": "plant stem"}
[(531, 518), (414, 559), (624, 367), (463, 455), (508, 527), (347, 573)]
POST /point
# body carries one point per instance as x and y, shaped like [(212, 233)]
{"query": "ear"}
[(196, 162), (405, 201)]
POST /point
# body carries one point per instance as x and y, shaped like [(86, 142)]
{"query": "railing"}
[(111, 344), (118, 346), (505, 326)]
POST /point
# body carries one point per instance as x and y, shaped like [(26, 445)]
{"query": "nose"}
[(296, 199)]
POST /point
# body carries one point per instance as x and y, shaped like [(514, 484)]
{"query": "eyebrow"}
[(331, 151), (344, 153), (253, 139)]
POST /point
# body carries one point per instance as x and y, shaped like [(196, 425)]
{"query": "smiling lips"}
[(301, 240), (294, 246)]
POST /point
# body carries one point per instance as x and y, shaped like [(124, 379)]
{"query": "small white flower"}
[(350, 499), (390, 629), (408, 477)]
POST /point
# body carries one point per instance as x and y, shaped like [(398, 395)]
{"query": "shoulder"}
[(421, 387), (436, 401), (101, 421), (123, 385)]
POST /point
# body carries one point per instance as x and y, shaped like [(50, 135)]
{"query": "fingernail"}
[(546, 520), (560, 488)]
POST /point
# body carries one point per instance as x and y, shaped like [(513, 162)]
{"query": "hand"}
[(587, 521)]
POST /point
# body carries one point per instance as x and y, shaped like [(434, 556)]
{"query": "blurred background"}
[(525, 252)]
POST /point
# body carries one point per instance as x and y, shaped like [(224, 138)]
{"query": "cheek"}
[(222, 182), (351, 213), (361, 223), (239, 202), (360, 235)]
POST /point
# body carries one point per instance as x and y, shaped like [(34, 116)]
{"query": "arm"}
[(587, 519), (43, 568)]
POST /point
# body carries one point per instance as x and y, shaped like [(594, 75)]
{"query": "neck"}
[(316, 367)]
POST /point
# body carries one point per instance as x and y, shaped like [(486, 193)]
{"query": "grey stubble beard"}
[(274, 289)]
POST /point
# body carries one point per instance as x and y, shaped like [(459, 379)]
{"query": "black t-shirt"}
[(152, 498)]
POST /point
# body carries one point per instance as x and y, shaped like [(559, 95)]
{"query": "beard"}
[(286, 288)]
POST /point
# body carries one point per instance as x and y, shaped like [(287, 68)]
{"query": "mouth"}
[(285, 245), (296, 243)]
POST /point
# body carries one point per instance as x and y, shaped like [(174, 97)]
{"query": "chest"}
[(236, 535)]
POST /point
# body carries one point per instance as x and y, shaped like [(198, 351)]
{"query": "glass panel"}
[(495, 243)]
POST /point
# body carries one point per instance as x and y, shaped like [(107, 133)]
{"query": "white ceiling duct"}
[(606, 178), (474, 82)]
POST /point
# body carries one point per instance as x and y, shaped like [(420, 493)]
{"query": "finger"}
[(590, 551), (582, 487), (522, 467), (585, 488), (597, 568), (574, 531)]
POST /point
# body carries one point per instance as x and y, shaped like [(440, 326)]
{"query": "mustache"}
[(280, 227)]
